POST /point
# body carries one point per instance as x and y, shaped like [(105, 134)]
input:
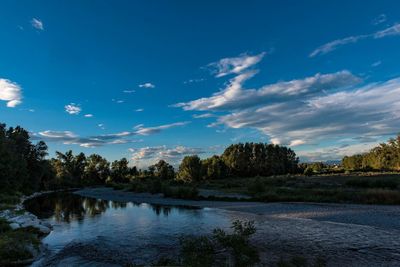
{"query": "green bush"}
[(14, 243), (244, 254), (308, 171), (197, 251), (256, 187)]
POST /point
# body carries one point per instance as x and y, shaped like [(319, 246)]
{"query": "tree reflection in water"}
[(68, 207)]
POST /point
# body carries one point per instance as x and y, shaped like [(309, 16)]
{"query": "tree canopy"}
[(386, 156)]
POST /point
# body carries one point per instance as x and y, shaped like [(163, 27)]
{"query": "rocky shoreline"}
[(18, 218)]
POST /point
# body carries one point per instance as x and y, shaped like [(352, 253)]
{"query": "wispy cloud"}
[(391, 31), (68, 137), (203, 116), (88, 115), (307, 111), (376, 63), (139, 110), (329, 47), (152, 130), (10, 92), (128, 91), (194, 80), (235, 97), (118, 101), (37, 24), (147, 85), (234, 65), (73, 109), (379, 19)]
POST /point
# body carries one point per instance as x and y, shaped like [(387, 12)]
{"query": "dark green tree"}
[(190, 169)]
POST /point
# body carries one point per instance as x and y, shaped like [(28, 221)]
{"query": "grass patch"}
[(15, 244), (362, 188)]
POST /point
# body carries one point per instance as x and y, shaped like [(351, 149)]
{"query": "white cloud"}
[(309, 111), (391, 31), (203, 116), (37, 24), (235, 97), (146, 156), (58, 134), (117, 101), (234, 65), (73, 109), (140, 130), (379, 19), (329, 47), (370, 110), (297, 142), (10, 92), (147, 85), (88, 115), (193, 81), (68, 137), (139, 110), (128, 91), (335, 152)]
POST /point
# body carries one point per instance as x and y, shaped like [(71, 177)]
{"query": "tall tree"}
[(190, 169)]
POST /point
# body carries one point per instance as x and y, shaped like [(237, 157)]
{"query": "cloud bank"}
[(68, 137), (307, 111)]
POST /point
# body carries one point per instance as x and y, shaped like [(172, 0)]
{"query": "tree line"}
[(25, 168), (384, 157)]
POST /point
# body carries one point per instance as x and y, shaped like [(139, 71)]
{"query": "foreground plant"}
[(221, 248)]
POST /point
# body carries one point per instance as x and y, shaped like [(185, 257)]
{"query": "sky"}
[(150, 80)]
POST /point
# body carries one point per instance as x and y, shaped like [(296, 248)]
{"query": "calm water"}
[(93, 232)]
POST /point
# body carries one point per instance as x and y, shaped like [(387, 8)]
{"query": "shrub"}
[(244, 254), (308, 171), (197, 251), (256, 187), (14, 243)]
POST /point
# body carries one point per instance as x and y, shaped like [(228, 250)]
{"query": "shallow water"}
[(93, 232)]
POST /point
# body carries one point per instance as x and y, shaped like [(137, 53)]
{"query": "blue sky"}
[(163, 79)]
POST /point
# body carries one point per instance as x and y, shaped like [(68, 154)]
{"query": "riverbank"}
[(21, 233), (344, 235), (382, 216)]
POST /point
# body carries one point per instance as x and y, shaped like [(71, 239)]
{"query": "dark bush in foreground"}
[(14, 243), (221, 247), (197, 251)]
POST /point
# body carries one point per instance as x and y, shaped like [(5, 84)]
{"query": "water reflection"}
[(89, 232), (68, 207)]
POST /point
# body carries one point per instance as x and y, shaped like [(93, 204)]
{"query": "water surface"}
[(94, 232)]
